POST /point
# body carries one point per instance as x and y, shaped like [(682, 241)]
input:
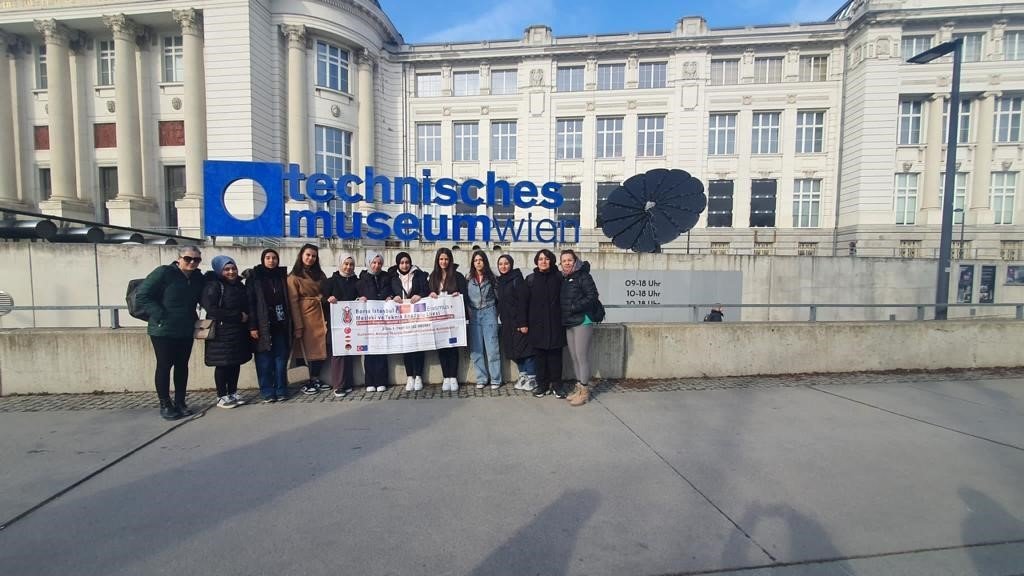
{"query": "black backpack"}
[(131, 298)]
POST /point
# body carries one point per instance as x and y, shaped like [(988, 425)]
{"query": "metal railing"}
[(114, 311)]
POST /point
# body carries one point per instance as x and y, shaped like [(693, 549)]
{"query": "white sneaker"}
[(444, 384), (530, 383), (481, 386), (225, 402), (238, 400), (381, 388), (371, 389), (417, 384), (410, 384), (454, 385), (495, 385)]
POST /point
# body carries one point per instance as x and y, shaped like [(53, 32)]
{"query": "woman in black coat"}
[(515, 345), (446, 279), (579, 302), (375, 284), (270, 325), (543, 312), (227, 303), (410, 283), (341, 287)]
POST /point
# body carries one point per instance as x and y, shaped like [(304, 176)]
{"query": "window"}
[(41, 81), (906, 198), (724, 72), (964, 122), (972, 46), (171, 132), (1011, 249), (503, 82), (722, 134), (810, 132), (333, 151), (764, 248), (466, 141), (569, 79), (569, 139), (104, 135), (466, 83), (806, 203), (762, 203), (41, 137), (813, 68), (428, 142), (765, 135), (720, 248), (720, 204), (611, 76), (913, 45), (1007, 119), (105, 63), (108, 184), (428, 85), (909, 248), (604, 190), (174, 184), (609, 138), (768, 70), (45, 188), (502, 212), (1003, 186), (959, 196), (806, 248), (910, 122), (653, 74), (1013, 45), (174, 59), (570, 209), (503, 140), (467, 207), (650, 136), (331, 67)]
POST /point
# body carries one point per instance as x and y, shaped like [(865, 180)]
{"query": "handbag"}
[(205, 329), (597, 313)]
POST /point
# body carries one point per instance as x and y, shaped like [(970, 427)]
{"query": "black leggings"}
[(375, 369), (172, 353), (226, 378), (449, 360), (549, 367), (414, 363)]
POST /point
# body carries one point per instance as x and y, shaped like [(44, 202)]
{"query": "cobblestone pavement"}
[(206, 398)]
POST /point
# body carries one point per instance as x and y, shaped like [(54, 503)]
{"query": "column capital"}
[(992, 94), (938, 96), (54, 32), (123, 27), (363, 58), (190, 20), (13, 45), (296, 34)]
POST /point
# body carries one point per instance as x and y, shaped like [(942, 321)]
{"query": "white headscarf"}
[(371, 256), (341, 261)]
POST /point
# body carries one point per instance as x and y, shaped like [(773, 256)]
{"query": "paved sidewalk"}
[(866, 474)]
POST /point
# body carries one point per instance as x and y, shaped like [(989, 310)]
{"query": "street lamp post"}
[(963, 218), (955, 47)]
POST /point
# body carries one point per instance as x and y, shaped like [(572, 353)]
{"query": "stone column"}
[(366, 116), (931, 207), (298, 109), (190, 208), (979, 212), (8, 170), (64, 199), (126, 86)]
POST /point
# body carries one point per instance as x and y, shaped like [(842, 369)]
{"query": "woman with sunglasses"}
[(309, 319), (227, 304), (170, 295)]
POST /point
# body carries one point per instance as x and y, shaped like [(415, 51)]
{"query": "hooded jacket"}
[(170, 299), (225, 302), (579, 295)]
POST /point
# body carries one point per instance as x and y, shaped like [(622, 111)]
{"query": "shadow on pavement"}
[(807, 537), (986, 521)]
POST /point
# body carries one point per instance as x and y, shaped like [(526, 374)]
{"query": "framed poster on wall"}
[(987, 285), (1015, 275), (965, 287)]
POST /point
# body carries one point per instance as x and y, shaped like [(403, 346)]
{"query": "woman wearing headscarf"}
[(341, 287), (169, 295), (375, 284), (543, 312), (579, 299), (227, 304), (270, 324), (512, 290), (446, 279), (409, 283), (309, 321), (483, 321)]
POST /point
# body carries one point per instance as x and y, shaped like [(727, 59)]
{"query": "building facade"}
[(811, 139)]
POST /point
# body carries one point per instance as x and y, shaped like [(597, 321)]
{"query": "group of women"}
[(277, 315)]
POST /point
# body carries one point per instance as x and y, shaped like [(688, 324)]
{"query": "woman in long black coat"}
[(515, 344), (543, 311), (226, 302), (341, 287), (375, 284)]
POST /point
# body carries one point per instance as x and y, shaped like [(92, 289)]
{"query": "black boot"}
[(183, 410), (168, 411)]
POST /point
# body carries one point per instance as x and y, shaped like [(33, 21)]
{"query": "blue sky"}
[(453, 20)]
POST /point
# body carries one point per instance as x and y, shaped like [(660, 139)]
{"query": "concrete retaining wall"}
[(98, 359)]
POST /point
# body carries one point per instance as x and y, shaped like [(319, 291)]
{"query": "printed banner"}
[(382, 327)]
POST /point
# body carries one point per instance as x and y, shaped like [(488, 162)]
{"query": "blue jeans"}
[(272, 368), (527, 365), (483, 350)]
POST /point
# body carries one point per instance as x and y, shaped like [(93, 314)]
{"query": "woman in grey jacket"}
[(483, 321)]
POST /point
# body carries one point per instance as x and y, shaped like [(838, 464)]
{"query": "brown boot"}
[(580, 396), (575, 392)]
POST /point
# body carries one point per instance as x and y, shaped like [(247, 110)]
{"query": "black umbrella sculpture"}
[(652, 209)]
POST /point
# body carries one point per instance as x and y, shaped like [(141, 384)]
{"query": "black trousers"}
[(172, 353), (315, 367), (375, 367), (226, 378), (449, 359), (414, 363), (549, 367)]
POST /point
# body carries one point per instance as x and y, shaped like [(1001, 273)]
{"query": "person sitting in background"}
[(716, 314)]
